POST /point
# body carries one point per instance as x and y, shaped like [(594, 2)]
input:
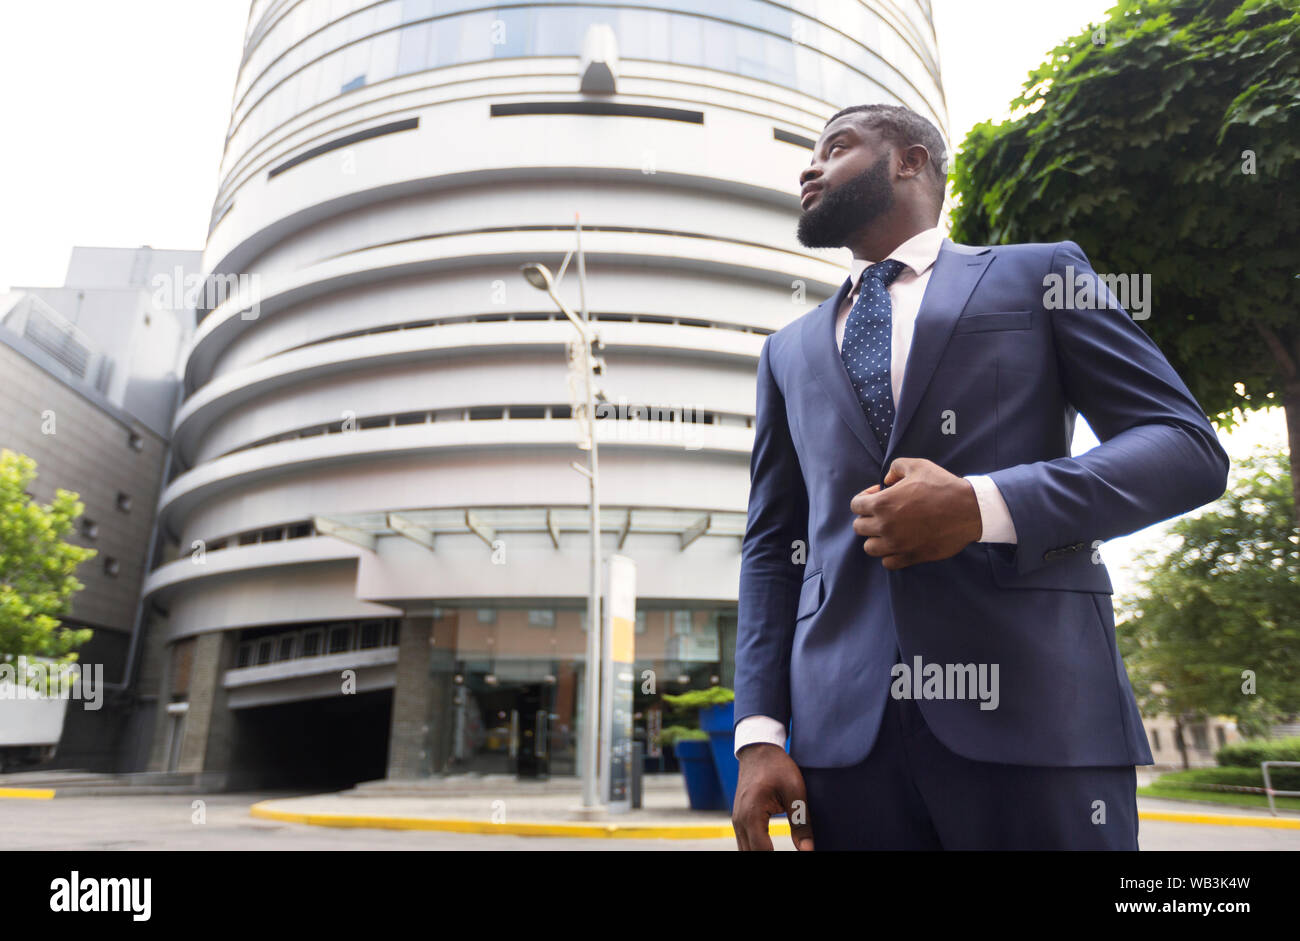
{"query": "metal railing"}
[(1268, 784)]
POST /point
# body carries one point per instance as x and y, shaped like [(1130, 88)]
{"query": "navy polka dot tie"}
[(866, 350)]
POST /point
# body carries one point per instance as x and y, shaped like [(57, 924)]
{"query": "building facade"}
[(376, 558), (91, 379)]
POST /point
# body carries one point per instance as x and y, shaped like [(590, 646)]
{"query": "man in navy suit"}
[(923, 610)]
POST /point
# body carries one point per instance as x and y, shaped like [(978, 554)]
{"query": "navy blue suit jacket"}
[(994, 380)]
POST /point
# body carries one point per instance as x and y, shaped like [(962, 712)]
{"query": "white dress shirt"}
[(918, 254)]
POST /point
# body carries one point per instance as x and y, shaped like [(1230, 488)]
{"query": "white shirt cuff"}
[(994, 514), (753, 729)]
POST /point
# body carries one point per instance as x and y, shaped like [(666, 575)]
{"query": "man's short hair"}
[(904, 127)]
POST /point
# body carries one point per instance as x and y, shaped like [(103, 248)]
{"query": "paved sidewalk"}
[(665, 815)]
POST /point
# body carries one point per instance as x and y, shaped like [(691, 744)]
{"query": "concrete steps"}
[(86, 783)]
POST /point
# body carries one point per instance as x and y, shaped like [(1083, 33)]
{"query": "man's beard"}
[(847, 208)]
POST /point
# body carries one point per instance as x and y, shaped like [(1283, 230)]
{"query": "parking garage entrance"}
[(328, 743)]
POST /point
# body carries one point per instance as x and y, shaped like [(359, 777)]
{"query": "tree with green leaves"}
[(1215, 628), (1165, 142), (37, 567)]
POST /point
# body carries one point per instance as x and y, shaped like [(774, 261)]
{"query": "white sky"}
[(114, 115)]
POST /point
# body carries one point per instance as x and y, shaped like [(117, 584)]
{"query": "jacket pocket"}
[(993, 320), (810, 595)]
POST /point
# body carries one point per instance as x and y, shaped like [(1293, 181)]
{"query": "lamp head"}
[(538, 275)]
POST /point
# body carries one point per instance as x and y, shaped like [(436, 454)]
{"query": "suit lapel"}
[(957, 270), (823, 357)]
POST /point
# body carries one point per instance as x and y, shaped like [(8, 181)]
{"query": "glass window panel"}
[(413, 50), (416, 10), (749, 53), (331, 77), (312, 47), (657, 32), (387, 15), (474, 41), (292, 92), (383, 56), (372, 634), (442, 43), (340, 639), (558, 33), (510, 29), (807, 66), (687, 39), (333, 36), (317, 14), (779, 56), (719, 46), (356, 60)]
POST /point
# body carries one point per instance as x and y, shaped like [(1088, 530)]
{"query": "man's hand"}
[(924, 514), (770, 783)]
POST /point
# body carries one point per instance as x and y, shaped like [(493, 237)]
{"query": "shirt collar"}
[(918, 253)]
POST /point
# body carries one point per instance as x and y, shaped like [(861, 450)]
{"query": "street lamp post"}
[(539, 276)]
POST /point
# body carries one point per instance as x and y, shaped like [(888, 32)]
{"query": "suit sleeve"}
[(1158, 457), (770, 578)]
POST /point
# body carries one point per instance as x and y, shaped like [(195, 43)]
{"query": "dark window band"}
[(793, 138), (597, 107), (409, 124)]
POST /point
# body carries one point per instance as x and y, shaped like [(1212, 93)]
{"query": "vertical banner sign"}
[(618, 676)]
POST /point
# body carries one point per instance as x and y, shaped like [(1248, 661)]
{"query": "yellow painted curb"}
[(28, 793), (600, 830), (658, 832), (1221, 820)]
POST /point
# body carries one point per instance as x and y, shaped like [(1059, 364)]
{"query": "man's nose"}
[(810, 172)]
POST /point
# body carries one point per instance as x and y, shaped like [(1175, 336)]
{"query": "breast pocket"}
[(993, 320), (810, 595)]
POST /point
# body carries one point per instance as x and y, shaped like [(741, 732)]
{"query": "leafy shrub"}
[(680, 733), (1283, 779), (697, 698), (1250, 753)]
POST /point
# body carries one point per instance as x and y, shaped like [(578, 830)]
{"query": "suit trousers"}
[(913, 793)]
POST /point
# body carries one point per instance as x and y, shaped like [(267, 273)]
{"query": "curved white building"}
[(371, 463)]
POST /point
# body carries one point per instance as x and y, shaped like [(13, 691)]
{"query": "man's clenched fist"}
[(923, 514)]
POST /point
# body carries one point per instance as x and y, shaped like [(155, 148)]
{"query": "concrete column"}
[(209, 726), (727, 648), (161, 720), (421, 735), (408, 735), (442, 690)]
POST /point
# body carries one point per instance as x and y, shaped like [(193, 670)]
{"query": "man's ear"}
[(913, 161)]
